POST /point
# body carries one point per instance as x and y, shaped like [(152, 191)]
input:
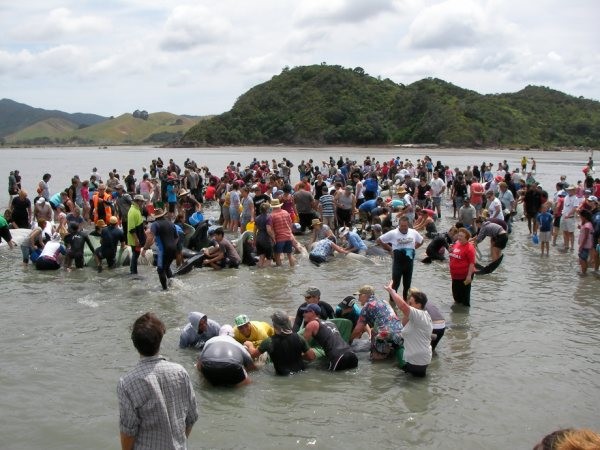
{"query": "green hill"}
[(323, 104), (158, 128), (16, 116), (52, 128)]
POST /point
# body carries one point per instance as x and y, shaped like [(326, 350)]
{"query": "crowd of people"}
[(362, 208)]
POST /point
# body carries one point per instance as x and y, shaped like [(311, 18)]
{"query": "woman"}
[(264, 236), (416, 332), (462, 267), (248, 213), (586, 240), (21, 210), (234, 207)]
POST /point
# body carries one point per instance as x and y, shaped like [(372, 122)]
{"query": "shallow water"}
[(522, 362)]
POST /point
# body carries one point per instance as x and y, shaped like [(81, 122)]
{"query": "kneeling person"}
[(328, 337), (285, 348)]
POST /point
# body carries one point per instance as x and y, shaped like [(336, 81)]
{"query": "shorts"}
[(46, 263), (556, 222), (222, 373), (283, 247), (234, 214), (500, 241), (225, 211), (544, 236), (437, 201), (110, 259), (567, 225), (584, 254), (347, 360), (417, 371), (228, 263)]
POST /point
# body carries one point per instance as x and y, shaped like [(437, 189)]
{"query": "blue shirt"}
[(368, 206), (355, 241), (545, 220)]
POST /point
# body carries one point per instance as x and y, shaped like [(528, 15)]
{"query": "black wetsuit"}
[(165, 235), (75, 243), (336, 349)]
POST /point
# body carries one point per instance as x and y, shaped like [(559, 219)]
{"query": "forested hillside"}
[(323, 104)]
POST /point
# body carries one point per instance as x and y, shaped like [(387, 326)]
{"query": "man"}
[(251, 331), (365, 211), (568, 221), (312, 295), (101, 204), (157, 404), (354, 241), (75, 242), (304, 202), (282, 227), (285, 348), (345, 205), (438, 187), (109, 239), (136, 237), (224, 254), (416, 331), (198, 330), (123, 203), (378, 318), (348, 309), (494, 206), (402, 243), (327, 207), (509, 205), (497, 234), (164, 234), (5, 232), (327, 336), (467, 214)]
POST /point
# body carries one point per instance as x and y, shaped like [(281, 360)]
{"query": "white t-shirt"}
[(400, 240), (417, 337), (495, 209), (437, 185), (570, 205)]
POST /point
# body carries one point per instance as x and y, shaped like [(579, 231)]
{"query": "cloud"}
[(59, 23), (332, 12), (55, 60), (454, 23), (191, 26)]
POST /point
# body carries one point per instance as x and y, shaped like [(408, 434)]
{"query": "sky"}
[(197, 57)]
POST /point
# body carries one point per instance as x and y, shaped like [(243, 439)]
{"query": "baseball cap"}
[(226, 330), (312, 291), (311, 307), (593, 198), (242, 319), (348, 302)]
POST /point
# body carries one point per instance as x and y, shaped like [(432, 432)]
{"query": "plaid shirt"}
[(157, 403)]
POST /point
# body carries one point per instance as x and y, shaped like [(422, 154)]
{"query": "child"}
[(586, 241), (544, 220)]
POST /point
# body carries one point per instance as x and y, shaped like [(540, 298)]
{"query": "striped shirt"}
[(327, 205), (156, 404), (282, 225)]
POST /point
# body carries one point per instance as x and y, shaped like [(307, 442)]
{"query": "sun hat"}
[(281, 321), (343, 231), (100, 223), (275, 203), (183, 192), (571, 187), (139, 198), (242, 319), (592, 198), (316, 222), (158, 212), (365, 289)]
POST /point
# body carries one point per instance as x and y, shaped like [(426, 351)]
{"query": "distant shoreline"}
[(315, 146)]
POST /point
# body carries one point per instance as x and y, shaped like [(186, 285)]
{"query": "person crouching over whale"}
[(223, 253)]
